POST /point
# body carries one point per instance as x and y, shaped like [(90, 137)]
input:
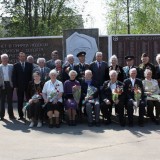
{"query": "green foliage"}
[(38, 17), (143, 16)]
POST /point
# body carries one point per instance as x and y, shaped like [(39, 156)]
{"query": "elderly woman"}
[(90, 101), (52, 94), (151, 87), (114, 66), (113, 86), (70, 103), (35, 100)]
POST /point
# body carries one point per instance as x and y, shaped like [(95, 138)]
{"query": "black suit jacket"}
[(99, 75), (81, 71), (84, 87), (157, 76), (107, 92), (129, 90), (21, 78)]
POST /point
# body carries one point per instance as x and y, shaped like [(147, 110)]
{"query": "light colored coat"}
[(10, 70)]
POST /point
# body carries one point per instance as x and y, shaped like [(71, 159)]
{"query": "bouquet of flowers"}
[(137, 96), (90, 91), (116, 92), (76, 91)]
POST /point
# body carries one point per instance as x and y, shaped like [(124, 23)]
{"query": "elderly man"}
[(68, 66), (110, 88), (51, 63), (134, 91), (6, 86), (30, 59), (99, 70), (42, 69), (157, 77)]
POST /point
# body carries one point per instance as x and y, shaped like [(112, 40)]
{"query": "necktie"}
[(23, 66), (99, 65), (42, 74)]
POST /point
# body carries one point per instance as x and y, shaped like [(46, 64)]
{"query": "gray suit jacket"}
[(10, 70)]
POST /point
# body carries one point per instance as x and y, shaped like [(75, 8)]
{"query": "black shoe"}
[(155, 121), (70, 123), (50, 125), (108, 122), (12, 117), (2, 118), (57, 125), (74, 123), (130, 124), (141, 124), (21, 118), (90, 124), (122, 124), (98, 124)]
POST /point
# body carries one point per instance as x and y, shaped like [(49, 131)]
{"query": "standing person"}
[(68, 66), (44, 71), (6, 86), (58, 68), (113, 85), (157, 77), (81, 66), (70, 102), (130, 64), (30, 59), (100, 71), (51, 63), (114, 66), (22, 75), (131, 86), (145, 65)]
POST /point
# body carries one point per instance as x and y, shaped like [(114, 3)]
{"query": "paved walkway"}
[(18, 142)]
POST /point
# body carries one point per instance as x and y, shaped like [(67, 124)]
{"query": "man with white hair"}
[(134, 91), (6, 86), (30, 59), (68, 66), (42, 69), (99, 70), (157, 77)]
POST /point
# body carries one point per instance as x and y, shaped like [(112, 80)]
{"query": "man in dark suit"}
[(157, 67), (42, 69), (81, 67), (6, 87), (100, 71), (132, 85), (130, 64), (22, 74), (109, 87), (51, 63)]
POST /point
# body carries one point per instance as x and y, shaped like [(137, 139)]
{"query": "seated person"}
[(134, 91), (109, 88), (151, 87), (70, 103), (90, 100), (35, 100), (52, 94)]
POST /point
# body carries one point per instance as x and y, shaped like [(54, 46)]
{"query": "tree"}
[(133, 16), (38, 17)]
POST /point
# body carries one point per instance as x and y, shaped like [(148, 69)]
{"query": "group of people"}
[(54, 88)]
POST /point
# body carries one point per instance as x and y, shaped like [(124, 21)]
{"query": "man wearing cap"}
[(81, 66), (145, 65), (130, 64)]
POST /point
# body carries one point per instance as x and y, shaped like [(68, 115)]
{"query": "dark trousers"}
[(150, 109), (6, 92), (130, 111), (107, 111), (20, 97)]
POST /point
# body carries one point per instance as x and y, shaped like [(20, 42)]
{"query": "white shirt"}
[(113, 86), (5, 72), (49, 87), (133, 82)]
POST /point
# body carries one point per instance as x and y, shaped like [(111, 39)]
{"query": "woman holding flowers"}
[(34, 92), (151, 88), (52, 94), (72, 88), (113, 95), (90, 99), (133, 88)]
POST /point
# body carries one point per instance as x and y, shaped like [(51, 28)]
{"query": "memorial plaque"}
[(35, 46), (136, 45)]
